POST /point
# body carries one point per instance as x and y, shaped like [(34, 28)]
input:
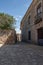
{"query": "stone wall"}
[(7, 36)]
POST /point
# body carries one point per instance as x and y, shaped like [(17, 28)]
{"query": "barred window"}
[(39, 9)]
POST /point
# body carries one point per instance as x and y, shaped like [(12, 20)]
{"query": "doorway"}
[(40, 36), (29, 35)]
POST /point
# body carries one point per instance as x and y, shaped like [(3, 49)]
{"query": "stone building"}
[(18, 37), (32, 23)]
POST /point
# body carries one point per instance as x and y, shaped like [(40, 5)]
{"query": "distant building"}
[(18, 37), (32, 23)]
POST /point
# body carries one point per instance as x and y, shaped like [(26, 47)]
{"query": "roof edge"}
[(27, 10)]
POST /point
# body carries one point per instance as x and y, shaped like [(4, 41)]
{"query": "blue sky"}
[(16, 8)]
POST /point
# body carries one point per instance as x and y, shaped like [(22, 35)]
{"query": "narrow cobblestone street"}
[(21, 54)]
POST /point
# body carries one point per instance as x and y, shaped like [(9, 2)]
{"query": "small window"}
[(29, 20)]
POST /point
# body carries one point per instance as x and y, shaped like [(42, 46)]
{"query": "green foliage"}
[(6, 21)]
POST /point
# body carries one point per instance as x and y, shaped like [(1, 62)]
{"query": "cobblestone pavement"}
[(21, 55)]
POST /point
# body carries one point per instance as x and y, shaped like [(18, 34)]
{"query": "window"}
[(39, 9), (29, 20)]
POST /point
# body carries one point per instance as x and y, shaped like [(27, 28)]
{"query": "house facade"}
[(32, 23)]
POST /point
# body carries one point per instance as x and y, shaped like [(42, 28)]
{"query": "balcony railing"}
[(38, 18)]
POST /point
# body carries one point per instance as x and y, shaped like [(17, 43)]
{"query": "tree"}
[(6, 21)]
